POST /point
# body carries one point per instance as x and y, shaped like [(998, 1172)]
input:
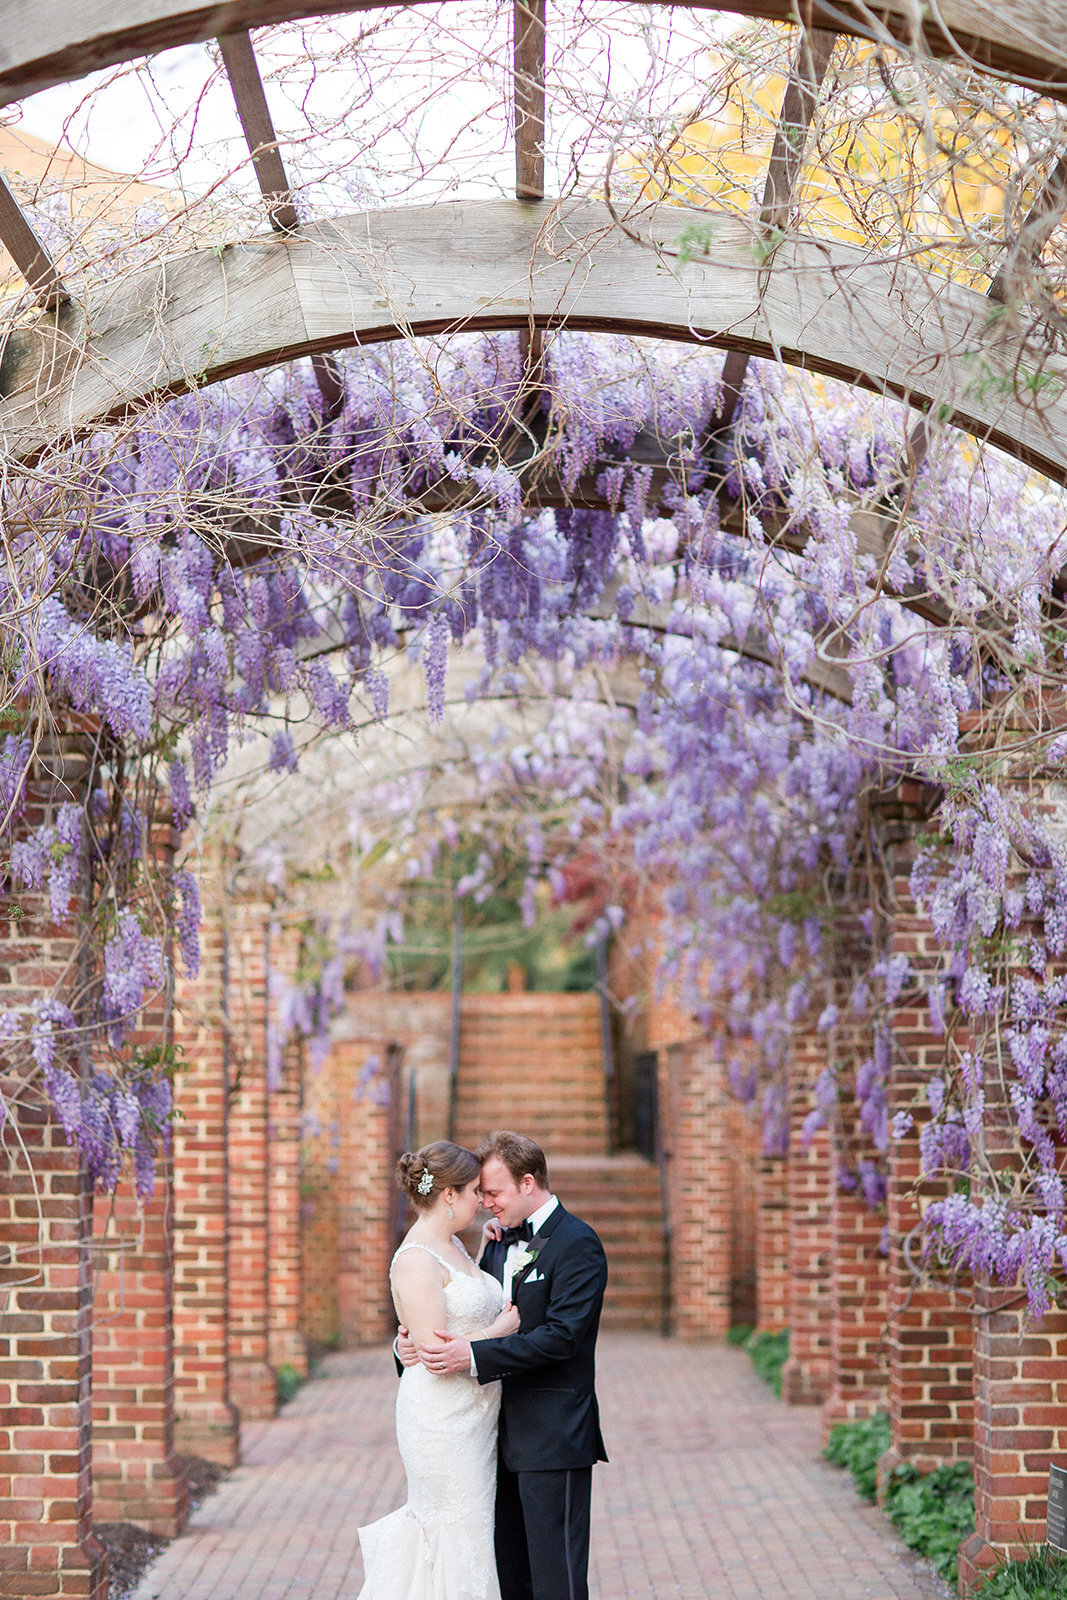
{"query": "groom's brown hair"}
[(519, 1154)]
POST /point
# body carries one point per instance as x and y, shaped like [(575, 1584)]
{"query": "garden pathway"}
[(715, 1491)]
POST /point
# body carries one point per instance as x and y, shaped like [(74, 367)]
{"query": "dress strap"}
[(415, 1245)]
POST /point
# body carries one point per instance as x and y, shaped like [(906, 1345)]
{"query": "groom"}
[(553, 1267)]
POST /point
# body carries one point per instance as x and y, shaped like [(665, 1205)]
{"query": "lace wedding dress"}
[(440, 1545)]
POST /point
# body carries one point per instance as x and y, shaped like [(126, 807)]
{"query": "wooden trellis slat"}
[(242, 69), (799, 104), (28, 252), (529, 47)]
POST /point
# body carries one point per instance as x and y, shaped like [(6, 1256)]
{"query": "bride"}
[(439, 1546)]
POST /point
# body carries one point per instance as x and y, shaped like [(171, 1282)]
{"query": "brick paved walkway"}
[(715, 1492)]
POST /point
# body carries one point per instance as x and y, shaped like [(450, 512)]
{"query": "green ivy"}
[(288, 1382), (932, 1511), (857, 1446), (769, 1353)]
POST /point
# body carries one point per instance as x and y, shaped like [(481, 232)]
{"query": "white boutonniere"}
[(527, 1255)]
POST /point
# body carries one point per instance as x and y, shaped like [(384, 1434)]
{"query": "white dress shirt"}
[(537, 1219)]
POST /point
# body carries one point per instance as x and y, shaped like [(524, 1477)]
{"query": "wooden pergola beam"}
[(242, 69), (883, 325), (20, 240), (54, 41)]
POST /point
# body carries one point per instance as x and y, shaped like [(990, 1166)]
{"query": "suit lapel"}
[(544, 1237)]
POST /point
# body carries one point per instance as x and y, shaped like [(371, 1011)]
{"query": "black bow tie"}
[(514, 1235)]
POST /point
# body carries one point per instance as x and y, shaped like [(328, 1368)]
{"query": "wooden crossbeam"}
[(418, 272), (814, 49), (28, 252), (52, 41), (242, 69), (529, 92)]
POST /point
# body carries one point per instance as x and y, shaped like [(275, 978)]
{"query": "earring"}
[(450, 1213)]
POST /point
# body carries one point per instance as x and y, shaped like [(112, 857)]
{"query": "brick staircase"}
[(532, 1062), (619, 1196)]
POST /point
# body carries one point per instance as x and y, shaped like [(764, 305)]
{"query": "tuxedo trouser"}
[(542, 1534)]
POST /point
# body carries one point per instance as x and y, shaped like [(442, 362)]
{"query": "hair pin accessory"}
[(426, 1181)]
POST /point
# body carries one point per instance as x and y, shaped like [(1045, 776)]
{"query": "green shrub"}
[(287, 1381), (1042, 1576), (932, 1511), (856, 1446), (769, 1353), (740, 1334)]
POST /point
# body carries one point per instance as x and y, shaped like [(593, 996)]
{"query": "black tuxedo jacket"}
[(549, 1420)]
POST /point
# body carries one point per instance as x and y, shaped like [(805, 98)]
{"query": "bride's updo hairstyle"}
[(422, 1174)]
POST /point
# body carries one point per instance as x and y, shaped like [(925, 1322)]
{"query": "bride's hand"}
[(507, 1322), (491, 1232)]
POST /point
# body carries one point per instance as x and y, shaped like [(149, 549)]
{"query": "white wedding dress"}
[(440, 1545)]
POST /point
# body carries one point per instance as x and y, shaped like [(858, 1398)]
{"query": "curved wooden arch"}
[(53, 41), (177, 325)]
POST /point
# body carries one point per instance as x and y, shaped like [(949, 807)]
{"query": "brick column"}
[(137, 1477), (206, 1422), (859, 1364), (806, 1375), (319, 1166), (1020, 1394), (368, 1200), (744, 1136), (286, 1344), (253, 1384), (772, 1246), (46, 1542), (930, 1338), (694, 1110), (1020, 1423)]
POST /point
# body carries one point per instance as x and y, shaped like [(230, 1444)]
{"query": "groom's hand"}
[(452, 1354)]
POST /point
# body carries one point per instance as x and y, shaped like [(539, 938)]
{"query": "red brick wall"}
[(420, 1025)]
